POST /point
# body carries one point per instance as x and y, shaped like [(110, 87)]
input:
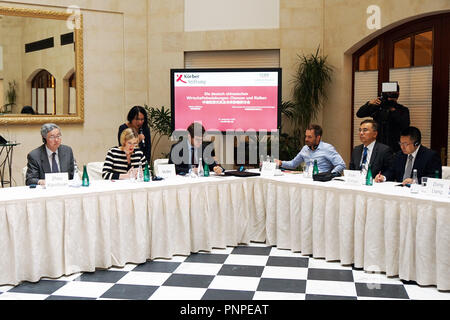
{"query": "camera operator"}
[(391, 116)]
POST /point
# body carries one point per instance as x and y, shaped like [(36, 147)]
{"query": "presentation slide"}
[(226, 100)]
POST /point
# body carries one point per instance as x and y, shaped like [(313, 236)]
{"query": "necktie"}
[(192, 156), (364, 160), (408, 168), (55, 168)]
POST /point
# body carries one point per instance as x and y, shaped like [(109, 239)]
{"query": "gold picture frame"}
[(12, 119)]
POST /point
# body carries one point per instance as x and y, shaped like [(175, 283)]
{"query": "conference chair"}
[(158, 162), (446, 173), (24, 175), (94, 170)]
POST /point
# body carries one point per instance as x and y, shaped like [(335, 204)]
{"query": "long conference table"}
[(62, 231)]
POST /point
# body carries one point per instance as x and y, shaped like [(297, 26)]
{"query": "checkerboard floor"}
[(250, 272)]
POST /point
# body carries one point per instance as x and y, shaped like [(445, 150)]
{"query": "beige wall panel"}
[(116, 77), (204, 15)]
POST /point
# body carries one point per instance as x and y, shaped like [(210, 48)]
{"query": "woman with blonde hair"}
[(121, 162)]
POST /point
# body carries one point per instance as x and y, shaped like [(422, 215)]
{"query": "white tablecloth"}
[(54, 232)]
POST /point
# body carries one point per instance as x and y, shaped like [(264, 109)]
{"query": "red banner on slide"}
[(225, 108)]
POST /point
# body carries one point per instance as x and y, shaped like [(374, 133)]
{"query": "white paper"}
[(54, 180), (352, 177), (439, 187), (268, 169), (166, 171)]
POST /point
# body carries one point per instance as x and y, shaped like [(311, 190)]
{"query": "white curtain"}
[(416, 88), (40, 100), (366, 88), (73, 100), (50, 101), (232, 59)]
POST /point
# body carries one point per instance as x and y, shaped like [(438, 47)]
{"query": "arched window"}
[(416, 55), (43, 93), (72, 94)]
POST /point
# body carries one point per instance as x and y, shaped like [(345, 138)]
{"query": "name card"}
[(55, 180), (268, 169), (352, 177), (439, 187), (166, 171)]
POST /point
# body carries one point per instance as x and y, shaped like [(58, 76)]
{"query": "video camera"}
[(389, 90)]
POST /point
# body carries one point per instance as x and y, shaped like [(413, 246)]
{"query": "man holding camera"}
[(391, 117)]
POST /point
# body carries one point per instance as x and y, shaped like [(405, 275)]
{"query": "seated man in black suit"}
[(51, 157), (379, 156), (187, 152), (412, 156)]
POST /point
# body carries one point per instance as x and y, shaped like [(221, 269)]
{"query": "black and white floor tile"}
[(250, 272)]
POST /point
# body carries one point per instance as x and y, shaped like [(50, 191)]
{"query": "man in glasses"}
[(51, 157), (186, 153), (413, 155), (370, 152)]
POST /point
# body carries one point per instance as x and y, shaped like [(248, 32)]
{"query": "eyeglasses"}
[(55, 137), (129, 143)]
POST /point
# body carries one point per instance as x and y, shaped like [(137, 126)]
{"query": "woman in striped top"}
[(123, 161)]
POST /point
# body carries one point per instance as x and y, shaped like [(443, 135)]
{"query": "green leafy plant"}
[(160, 123), (311, 81), (290, 145)]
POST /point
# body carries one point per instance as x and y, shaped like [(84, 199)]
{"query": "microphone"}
[(141, 131)]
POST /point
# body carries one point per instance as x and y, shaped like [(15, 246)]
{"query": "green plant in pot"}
[(311, 81), (160, 123)]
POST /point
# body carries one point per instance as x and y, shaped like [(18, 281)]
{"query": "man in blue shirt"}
[(328, 159)]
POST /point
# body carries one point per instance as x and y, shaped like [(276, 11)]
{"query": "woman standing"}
[(121, 162), (138, 120)]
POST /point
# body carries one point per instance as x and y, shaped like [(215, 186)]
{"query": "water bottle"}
[(261, 161), (76, 182), (206, 170), (316, 168), (146, 172), (85, 178), (140, 173), (436, 174), (201, 172), (414, 183), (369, 177), (414, 177)]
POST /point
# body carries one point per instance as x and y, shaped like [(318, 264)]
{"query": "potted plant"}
[(311, 81), (160, 123)]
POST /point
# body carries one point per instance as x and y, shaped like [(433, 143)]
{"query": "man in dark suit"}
[(187, 152), (412, 156), (379, 156), (51, 157)]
